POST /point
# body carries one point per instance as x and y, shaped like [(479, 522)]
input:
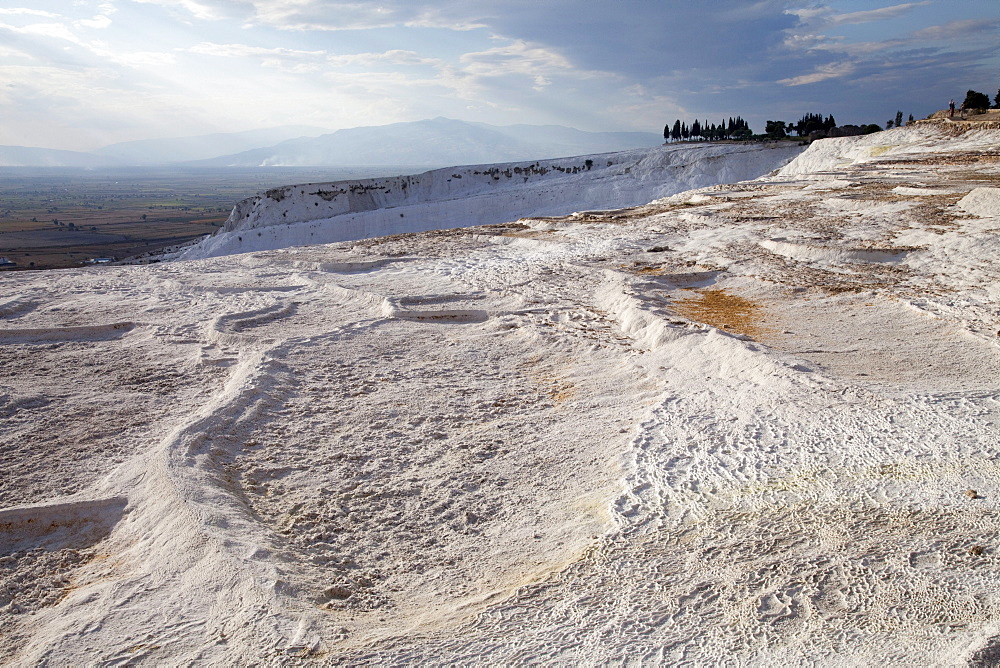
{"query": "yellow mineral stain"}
[(725, 311)]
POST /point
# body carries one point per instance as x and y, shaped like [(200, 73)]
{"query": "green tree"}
[(899, 119), (810, 123), (775, 129), (997, 100), (976, 100)]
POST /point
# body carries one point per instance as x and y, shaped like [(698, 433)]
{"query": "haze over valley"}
[(438, 142)]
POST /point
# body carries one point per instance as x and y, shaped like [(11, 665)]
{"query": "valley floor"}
[(746, 424)]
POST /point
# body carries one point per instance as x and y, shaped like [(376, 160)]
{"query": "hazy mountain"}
[(186, 149), (561, 141), (436, 142), (26, 156)]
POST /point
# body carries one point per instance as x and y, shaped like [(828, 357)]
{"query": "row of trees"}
[(811, 123), (806, 125), (735, 128), (977, 100)]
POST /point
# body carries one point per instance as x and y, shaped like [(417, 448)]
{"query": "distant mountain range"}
[(184, 149), (26, 156), (438, 142)]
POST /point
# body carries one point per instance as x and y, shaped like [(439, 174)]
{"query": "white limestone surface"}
[(739, 425)]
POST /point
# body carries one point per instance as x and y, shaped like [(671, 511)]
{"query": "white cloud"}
[(22, 11), (333, 15), (434, 17), (107, 54), (955, 31), (808, 41), (541, 83), (99, 22), (470, 77), (326, 15), (57, 30), (245, 50), (825, 16), (313, 15), (197, 9), (860, 49), (880, 14), (811, 15), (968, 29), (516, 57), (822, 73), (288, 60), (9, 53), (810, 35), (142, 59), (391, 57)]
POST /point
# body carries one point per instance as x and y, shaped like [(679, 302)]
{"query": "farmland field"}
[(57, 218)]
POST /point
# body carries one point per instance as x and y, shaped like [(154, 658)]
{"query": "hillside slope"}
[(182, 149), (482, 194), (26, 156)]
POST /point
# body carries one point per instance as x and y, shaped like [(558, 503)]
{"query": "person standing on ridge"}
[(951, 108)]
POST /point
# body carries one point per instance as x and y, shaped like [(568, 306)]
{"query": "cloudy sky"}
[(80, 74)]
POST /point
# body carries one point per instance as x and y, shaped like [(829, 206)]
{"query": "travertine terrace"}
[(749, 423)]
